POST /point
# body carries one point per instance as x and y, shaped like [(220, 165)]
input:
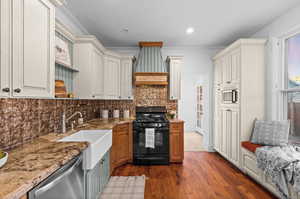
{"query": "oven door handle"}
[(234, 96), (58, 179)]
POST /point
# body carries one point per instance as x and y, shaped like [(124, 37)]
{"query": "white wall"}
[(197, 69), (274, 31)]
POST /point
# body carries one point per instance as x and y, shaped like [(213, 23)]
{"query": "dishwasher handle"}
[(56, 180)]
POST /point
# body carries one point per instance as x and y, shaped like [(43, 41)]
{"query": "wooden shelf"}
[(67, 67)]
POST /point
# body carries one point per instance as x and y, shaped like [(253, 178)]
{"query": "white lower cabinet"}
[(27, 48), (228, 134)]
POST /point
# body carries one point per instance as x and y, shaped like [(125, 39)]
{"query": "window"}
[(292, 84)]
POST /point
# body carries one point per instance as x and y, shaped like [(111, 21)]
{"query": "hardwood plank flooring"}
[(203, 175)]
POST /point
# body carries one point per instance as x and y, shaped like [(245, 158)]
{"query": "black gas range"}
[(151, 136)]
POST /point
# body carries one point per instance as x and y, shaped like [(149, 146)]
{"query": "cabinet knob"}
[(228, 82), (6, 90), (17, 90)]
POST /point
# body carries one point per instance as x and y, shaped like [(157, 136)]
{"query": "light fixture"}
[(190, 30)]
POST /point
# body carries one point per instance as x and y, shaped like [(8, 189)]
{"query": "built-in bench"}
[(249, 167)]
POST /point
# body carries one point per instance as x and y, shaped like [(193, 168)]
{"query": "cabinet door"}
[(33, 48), (233, 135), (226, 70), (5, 47), (120, 152), (235, 66), (126, 79), (112, 78), (224, 127), (175, 78), (176, 142), (218, 73), (98, 72), (218, 130)]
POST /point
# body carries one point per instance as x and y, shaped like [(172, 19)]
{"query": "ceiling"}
[(216, 22)]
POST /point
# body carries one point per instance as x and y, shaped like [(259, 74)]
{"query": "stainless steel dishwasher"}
[(66, 183)]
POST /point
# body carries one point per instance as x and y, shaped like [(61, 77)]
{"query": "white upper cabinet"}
[(88, 82), (230, 68), (5, 47), (126, 78), (33, 31), (112, 77), (235, 56), (218, 73), (102, 74), (98, 72), (174, 65)]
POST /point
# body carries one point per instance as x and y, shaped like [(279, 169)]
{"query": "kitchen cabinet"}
[(98, 72), (98, 177), (174, 66), (102, 74), (242, 67), (229, 73), (218, 73), (88, 82), (230, 134), (126, 78), (5, 47), (121, 151), (176, 141), (29, 54), (112, 77)]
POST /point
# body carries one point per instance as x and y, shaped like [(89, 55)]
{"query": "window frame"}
[(283, 79)]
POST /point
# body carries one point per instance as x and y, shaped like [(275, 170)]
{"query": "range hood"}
[(150, 69)]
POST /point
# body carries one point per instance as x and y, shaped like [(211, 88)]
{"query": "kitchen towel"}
[(150, 138)]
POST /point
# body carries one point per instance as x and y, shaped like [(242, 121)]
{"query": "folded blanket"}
[(282, 165)]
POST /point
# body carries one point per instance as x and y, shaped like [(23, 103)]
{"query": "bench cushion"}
[(250, 146)]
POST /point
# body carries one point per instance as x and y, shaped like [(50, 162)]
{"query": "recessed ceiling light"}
[(125, 30), (190, 30)]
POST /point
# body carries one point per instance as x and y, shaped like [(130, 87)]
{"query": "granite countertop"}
[(33, 162)]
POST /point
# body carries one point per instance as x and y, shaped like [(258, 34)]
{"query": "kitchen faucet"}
[(66, 120)]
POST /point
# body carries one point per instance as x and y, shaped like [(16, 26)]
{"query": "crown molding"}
[(64, 30), (58, 2), (239, 43)]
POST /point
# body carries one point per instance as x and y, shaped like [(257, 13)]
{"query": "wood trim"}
[(150, 74), (150, 44), (139, 83)]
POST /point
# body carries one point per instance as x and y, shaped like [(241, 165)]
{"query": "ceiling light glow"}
[(190, 30)]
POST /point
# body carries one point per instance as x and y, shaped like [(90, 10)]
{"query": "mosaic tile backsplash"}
[(22, 120)]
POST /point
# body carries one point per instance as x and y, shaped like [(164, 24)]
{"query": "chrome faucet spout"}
[(66, 120)]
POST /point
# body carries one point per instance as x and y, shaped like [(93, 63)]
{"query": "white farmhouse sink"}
[(100, 142)]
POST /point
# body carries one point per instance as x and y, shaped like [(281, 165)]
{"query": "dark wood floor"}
[(203, 175)]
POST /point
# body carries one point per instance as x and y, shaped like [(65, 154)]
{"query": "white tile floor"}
[(193, 141)]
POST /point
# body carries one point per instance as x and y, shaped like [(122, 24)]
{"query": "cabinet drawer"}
[(249, 165), (121, 127), (177, 127)]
